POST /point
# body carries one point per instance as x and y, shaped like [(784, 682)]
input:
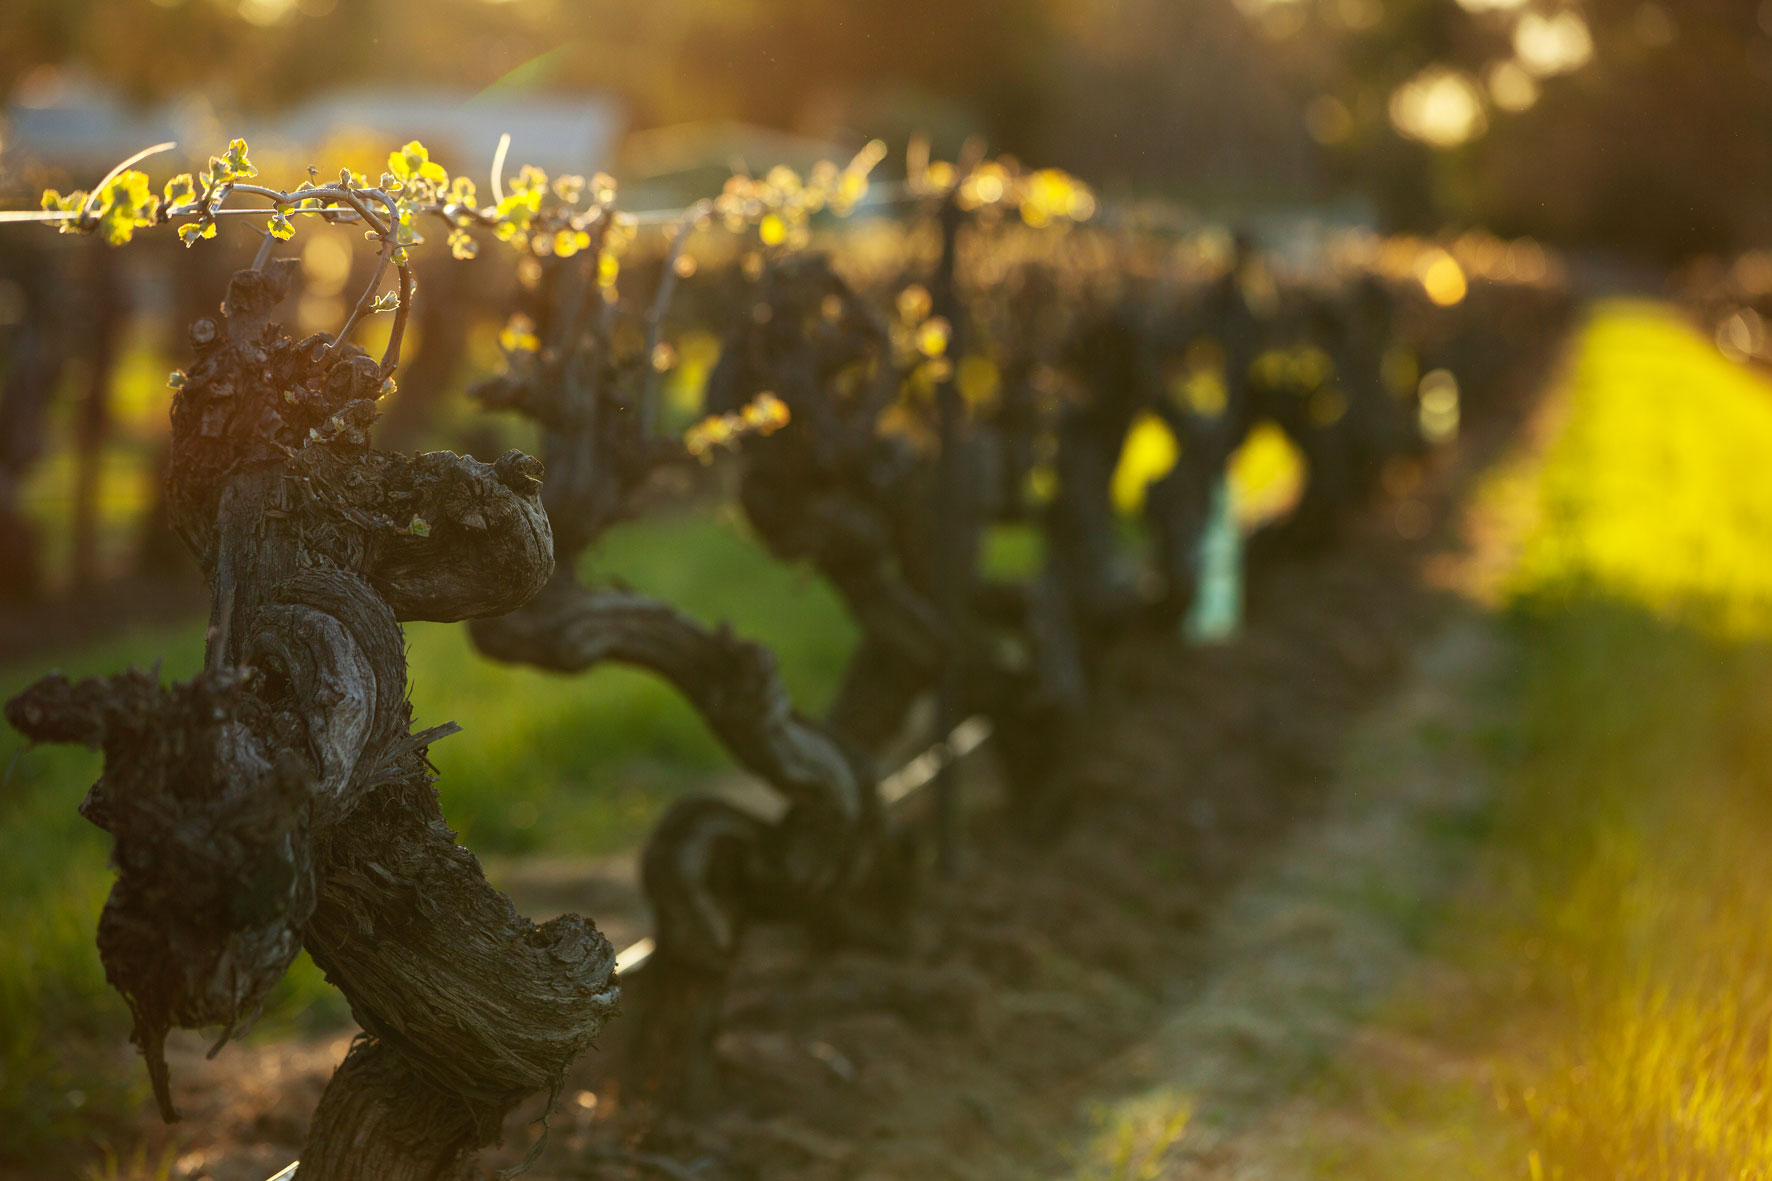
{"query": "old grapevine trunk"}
[(281, 798), (863, 502), (709, 867)]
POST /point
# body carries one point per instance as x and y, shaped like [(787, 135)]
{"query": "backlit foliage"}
[(1041, 198), (763, 415)]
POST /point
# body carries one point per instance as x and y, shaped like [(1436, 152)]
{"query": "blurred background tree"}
[(1623, 123), (1630, 127)]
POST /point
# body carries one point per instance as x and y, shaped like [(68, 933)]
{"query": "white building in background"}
[(68, 122), (558, 134)]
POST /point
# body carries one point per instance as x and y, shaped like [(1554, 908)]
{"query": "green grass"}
[(59, 1013), (594, 756), (1615, 1017), (1631, 877), (1130, 1141), (574, 765)]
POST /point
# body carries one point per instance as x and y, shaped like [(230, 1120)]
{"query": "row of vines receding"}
[(907, 373)]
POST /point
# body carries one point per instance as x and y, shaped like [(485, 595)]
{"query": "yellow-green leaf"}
[(1148, 454), (180, 189), (237, 160)]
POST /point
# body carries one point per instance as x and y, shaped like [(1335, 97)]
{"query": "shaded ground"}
[(1309, 948)]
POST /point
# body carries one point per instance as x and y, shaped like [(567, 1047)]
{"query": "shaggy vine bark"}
[(282, 799), (834, 489), (859, 499), (708, 868)]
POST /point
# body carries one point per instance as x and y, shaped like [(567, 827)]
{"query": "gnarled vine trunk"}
[(871, 510), (281, 799), (709, 868)]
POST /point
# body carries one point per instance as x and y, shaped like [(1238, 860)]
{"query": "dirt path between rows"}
[(1311, 945), (1332, 929)]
